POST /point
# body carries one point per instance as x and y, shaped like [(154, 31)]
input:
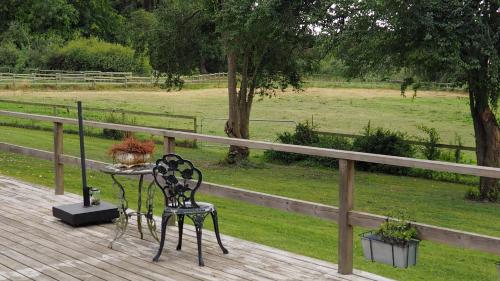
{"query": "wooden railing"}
[(344, 215)]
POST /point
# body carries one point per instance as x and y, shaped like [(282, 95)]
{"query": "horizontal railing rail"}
[(482, 171), (344, 215)]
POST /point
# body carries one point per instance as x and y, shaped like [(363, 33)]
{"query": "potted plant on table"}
[(394, 243), (132, 152)]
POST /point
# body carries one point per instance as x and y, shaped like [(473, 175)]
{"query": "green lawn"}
[(342, 110), (428, 201)]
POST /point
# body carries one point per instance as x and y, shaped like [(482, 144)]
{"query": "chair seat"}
[(203, 208)]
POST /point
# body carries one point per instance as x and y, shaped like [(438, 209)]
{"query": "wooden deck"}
[(36, 246)]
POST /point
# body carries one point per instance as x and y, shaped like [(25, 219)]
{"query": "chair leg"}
[(216, 229), (164, 222), (198, 227), (180, 226)]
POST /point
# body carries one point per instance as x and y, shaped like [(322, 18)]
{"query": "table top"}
[(119, 169)]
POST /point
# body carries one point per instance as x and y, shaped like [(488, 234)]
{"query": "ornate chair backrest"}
[(178, 179)]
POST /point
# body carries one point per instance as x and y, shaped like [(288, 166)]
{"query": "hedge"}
[(95, 55)]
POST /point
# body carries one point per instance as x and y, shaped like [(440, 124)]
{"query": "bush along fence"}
[(93, 78), (342, 82), (177, 122), (345, 215), (378, 141)]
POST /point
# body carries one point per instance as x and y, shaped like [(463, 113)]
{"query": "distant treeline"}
[(100, 35)]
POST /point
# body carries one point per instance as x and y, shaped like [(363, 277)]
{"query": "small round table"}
[(122, 221)]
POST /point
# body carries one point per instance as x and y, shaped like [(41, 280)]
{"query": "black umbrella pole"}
[(86, 194)]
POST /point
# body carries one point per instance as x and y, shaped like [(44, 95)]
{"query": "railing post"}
[(58, 164), (168, 145), (346, 203), (195, 128)]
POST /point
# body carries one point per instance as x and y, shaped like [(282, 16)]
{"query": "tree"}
[(56, 17), (183, 31), (128, 6), (97, 18), (431, 39), (140, 24), (266, 45)]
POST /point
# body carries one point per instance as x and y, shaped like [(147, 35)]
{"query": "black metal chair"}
[(178, 180)]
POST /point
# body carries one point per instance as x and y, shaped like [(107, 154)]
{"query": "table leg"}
[(149, 216), (122, 221), (139, 206)]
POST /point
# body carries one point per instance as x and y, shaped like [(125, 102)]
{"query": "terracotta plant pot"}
[(130, 159)]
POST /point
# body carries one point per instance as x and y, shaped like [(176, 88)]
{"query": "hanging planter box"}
[(397, 255)]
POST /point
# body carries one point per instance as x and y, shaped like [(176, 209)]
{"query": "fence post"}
[(195, 127), (58, 164), (168, 145), (346, 200)]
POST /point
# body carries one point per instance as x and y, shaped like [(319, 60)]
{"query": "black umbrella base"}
[(78, 215)]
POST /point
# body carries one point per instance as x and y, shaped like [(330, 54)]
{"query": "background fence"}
[(161, 120), (94, 78)]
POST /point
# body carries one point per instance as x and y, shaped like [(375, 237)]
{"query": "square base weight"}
[(78, 215)]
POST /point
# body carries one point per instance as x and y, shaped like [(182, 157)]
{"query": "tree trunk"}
[(237, 125), (487, 135)]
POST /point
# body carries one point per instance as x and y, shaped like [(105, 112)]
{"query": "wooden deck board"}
[(36, 246)]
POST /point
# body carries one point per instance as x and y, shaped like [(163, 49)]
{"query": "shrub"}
[(430, 149), (306, 135), (42, 48), (8, 54), (116, 134), (93, 54), (387, 142), (472, 194), (332, 142)]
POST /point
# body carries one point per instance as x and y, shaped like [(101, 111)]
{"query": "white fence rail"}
[(93, 78)]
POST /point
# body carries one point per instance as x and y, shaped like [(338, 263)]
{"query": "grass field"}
[(428, 201), (342, 110)]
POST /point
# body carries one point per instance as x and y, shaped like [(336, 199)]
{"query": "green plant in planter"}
[(399, 231), (394, 243)]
